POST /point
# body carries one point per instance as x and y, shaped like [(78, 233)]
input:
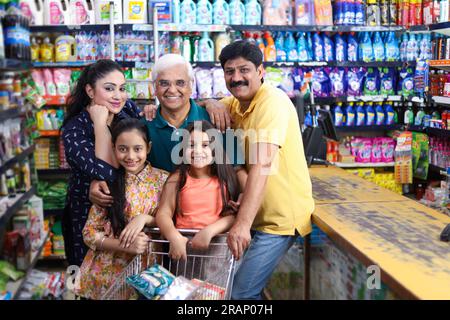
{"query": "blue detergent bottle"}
[(252, 12), (352, 48), (360, 115), (221, 12), (237, 12), (328, 48), (206, 48), (412, 48), (350, 115), (366, 48), (370, 114), (318, 47), (188, 12), (176, 7), (380, 114), (378, 48), (403, 47), (290, 46), (391, 47), (279, 45), (390, 113), (341, 48), (302, 48), (338, 115), (204, 12), (308, 118)]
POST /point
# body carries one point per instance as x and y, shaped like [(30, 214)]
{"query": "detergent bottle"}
[(204, 12), (252, 12), (378, 48), (237, 12), (302, 48), (318, 47), (47, 51), (341, 48), (33, 10), (81, 12), (279, 45), (134, 11), (328, 48), (102, 11), (221, 12), (338, 115), (391, 47), (206, 48), (270, 53), (370, 114), (290, 47), (65, 48), (222, 40), (186, 49), (176, 43), (350, 115), (360, 114), (259, 41), (188, 12), (55, 12)]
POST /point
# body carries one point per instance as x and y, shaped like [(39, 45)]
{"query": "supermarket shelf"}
[(20, 199), (53, 212), (364, 165), (18, 158), (370, 128), (134, 41), (67, 64), (436, 132), (441, 100), (332, 100), (181, 27), (312, 28), (9, 114), (419, 29), (55, 100), (15, 287), (49, 133), (58, 171), (69, 28), (440, 64), (442, 28), (436, 169), (14, 65)]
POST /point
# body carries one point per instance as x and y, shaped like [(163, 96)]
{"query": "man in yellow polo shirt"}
[(277, 202)]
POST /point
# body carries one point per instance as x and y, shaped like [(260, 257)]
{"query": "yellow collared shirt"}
[(288, 202)]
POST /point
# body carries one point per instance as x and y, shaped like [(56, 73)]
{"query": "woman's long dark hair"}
[(78, 98), (229, 186), (117, 187)]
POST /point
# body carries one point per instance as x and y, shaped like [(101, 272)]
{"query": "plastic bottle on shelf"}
[(221, 12), (270, 53), (134, 11), (328, 48), (418, 120), (33, 10), (341, 48), (186, 49), (370, 114), (318, 47), (338, 115), (303, 51), (409, 115), (176, 7), (390, 113), (366, 48), (47, 51), (65, 49), (81, 12), (412, 48), (279, 45), (206, 48), (384, 12), (378, 48), (221, 41), (34, 50), (393, 12), (352, 48), (176, 43), (304, 12), (360, 115), (56, 12), (290, 47), (237, 12), (259, 41), (16, 34), (391, 47), (204, 12), (195, 43), (188, 12), (380, 114), (373, 13), (102, 11), (350, 115), (403, 47), (360, 13), (253, 12)]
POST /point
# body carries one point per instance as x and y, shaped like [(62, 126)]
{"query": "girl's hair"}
[(78, 99), (117, 187), (229, 186)]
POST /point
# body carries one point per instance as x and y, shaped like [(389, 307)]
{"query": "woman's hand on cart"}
[(178, 248), (140, 245), (202, 239)]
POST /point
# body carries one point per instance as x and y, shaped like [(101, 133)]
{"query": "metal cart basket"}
[(212, 268)]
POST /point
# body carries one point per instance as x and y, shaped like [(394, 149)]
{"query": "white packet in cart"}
[(180, 289)]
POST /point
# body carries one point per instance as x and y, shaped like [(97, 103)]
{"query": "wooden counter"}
[(380, 227)]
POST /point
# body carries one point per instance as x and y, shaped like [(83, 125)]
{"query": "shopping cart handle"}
[(156, 230)]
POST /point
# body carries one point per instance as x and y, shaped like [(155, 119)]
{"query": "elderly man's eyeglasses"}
[(166, 83)]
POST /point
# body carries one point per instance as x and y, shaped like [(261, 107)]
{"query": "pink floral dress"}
[(101, 268)]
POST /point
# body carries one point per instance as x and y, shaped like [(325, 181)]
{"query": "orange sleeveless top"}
[(200, 202)]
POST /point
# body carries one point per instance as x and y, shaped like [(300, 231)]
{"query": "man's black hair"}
[(241, 49)]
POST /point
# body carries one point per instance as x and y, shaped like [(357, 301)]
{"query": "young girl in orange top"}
[(114, 235), (202, 193)]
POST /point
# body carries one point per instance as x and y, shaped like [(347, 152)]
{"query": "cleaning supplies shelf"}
[(364, 165), (14, 65), (15, 287), (436, 132), (313, 28), (441, 100), (440, 64), (442, 28), (9, 114), (18, 158), (370, 128), (49, 133), (19, 200)]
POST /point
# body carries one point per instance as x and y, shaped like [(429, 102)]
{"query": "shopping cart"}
[(212, 269)]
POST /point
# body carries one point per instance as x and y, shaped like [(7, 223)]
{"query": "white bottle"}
[(55, 12), (2, 45), (81, 12), (102, 10), (33, 9), (135, 11)]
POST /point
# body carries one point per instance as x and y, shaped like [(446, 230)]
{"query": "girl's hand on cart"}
[(202, 239), (140, 245), (131, 231), (178, 248)]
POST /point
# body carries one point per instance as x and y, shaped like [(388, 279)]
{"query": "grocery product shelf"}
[(436, 132), (379, 98), (16, 287), (442, 28), (18, 158), (370, 128), (19, 200), (419, 29), (312, 28), (364, 165), (440, 64), (55, 100), (14, 65), (69, 28), (9, 114), (441, 100), (343, 64), (67, 64), (49, 133)]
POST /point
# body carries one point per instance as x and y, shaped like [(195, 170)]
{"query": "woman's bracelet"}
[(101, 243)]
